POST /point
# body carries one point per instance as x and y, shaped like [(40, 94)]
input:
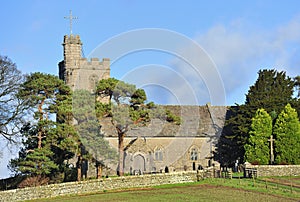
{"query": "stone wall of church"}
[(154, 154), (90, 73)]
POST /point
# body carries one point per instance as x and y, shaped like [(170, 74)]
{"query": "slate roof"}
[(196, 121)]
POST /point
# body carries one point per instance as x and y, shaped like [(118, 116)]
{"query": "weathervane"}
[(71, 18)]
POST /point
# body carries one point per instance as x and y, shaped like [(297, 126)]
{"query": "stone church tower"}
[(78, 72)]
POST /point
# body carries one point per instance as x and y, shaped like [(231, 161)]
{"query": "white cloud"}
[(239, 51), (197, 64), (169, 84), (239, 54)]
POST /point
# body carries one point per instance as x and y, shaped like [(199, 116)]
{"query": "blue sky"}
[(240, 37)]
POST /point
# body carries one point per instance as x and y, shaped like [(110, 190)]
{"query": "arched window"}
[(158, 154), (194, 154)]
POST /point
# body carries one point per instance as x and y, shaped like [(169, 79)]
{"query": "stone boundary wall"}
[(276, 170), (90, 186)]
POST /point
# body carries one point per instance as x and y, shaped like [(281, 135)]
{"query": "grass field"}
[(207, 190), (295, 181)]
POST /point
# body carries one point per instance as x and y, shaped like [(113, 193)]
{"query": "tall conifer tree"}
[(257, 149), (271, 91), (49, 139), (287, 137)]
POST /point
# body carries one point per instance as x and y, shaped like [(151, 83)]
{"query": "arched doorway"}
[(138, 164)]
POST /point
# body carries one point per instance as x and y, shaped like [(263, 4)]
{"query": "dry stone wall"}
[(276, 170), (100, 185)]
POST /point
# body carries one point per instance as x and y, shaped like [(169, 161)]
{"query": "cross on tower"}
[(271, 140), (71, 17)]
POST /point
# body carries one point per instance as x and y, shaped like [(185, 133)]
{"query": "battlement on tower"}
[(72, 39), (79, 72), (94, 63)]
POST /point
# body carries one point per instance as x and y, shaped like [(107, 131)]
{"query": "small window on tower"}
[(93, 83)]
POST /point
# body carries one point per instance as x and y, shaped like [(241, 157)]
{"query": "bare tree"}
[(297, 84), (11, 108)]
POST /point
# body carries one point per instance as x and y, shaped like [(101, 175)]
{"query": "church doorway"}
[(138, 164), (194, 166)]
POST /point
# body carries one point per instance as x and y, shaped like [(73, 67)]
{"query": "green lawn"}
[(207, 190)]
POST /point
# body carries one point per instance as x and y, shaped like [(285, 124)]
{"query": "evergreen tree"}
[(287, 137), (119, 94), (271, 91), (126, 107), (49, 139), (257, 149), (33, 160), (89, 131)]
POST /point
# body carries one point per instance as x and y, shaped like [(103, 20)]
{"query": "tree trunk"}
[(121, 154), (40, 130), (99, 171), (79, 164)]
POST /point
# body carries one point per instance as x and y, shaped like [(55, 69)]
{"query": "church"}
[(159, 147)]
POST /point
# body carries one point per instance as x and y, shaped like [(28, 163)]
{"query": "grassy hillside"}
[(264, 189)]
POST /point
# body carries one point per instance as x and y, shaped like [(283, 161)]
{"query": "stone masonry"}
[(78, 72), (94, 186), (276, 170)]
